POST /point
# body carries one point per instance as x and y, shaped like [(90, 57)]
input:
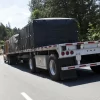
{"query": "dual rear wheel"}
[(12, 60), (53, 67)]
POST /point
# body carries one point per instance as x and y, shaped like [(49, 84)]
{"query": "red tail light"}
[(67, 52), (72, 52), (63, 53)]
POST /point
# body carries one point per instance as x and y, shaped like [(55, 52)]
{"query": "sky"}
[(16, 12)]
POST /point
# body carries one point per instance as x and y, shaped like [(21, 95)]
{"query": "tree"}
[(93, 33), (36, 4), (37, 9), (3, 33), (35, 14)]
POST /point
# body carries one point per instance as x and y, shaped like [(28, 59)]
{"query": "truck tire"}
[(25, 61), (32, 65), (4, 61), (54, 68), (11, 60), (96, 69), (4, 58)]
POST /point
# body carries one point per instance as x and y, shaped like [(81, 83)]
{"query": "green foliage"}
[(2, 31), (35, 4), (6, 32), (37, 9), (93, 33), (1, 42), (35, 14)]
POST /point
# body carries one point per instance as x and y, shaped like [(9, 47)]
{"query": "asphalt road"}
[(16, 83)]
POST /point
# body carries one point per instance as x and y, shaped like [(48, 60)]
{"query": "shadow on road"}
[(40, 73), (85, 76)]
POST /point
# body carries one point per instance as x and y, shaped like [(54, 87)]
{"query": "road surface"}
[(16, 83)]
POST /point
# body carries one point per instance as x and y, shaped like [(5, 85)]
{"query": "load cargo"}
[(44, 32)]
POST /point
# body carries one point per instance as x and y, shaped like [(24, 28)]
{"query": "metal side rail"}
[(80, 66)]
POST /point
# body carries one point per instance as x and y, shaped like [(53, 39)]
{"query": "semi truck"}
[(52, 44)]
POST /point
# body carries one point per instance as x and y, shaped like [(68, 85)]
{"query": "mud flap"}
[(68, 74)]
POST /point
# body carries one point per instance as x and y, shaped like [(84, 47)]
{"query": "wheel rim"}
[(52, 67), (30, 64)]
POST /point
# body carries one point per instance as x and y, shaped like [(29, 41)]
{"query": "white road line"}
[(26, 96)]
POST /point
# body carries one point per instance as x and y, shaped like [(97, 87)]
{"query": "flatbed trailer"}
[(61, 60)]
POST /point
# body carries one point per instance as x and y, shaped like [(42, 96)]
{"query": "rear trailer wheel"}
[(9, 60), (4, 61), (32, 65), (4, 58), (54, 68), (96, 69), (25, 61), (12, 60)]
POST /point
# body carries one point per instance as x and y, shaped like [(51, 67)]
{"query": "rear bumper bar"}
[(80, 66)]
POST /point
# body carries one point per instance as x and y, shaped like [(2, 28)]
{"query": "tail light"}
[(71, 52), (67, 52), (62, 53)]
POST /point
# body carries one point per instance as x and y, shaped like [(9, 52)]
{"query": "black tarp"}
[(54, 31), (24, 40), (44, 32)]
